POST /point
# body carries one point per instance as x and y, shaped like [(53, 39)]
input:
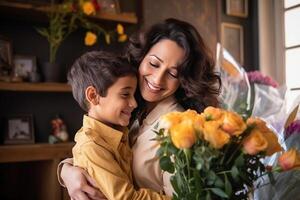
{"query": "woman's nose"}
[(158, 76)]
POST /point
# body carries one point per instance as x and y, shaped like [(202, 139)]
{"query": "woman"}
[(176, 72)]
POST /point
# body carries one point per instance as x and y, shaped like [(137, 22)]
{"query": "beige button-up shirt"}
[(146, 169)]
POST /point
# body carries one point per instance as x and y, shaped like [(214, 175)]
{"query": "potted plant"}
[(64, 19)]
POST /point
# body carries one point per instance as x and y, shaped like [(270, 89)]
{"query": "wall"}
[(200, 13), (250, 29)]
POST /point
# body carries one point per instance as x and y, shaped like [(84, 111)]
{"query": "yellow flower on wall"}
[(90, 39), (88, 8), (122, 38), (120, 29), (107, 38)]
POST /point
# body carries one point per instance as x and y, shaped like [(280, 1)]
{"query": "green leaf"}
[(219, 182), (208, 196), (156, 125), (240, 160), (228, 187), (166, 164), (219, 192), (235, 173)]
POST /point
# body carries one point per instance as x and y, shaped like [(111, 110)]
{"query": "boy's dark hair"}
[(98, 69)]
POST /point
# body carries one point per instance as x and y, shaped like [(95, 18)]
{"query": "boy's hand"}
[(79, 184)]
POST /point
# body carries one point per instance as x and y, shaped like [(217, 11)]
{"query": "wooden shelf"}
[(43, 9), (35, 152), (35, 87)]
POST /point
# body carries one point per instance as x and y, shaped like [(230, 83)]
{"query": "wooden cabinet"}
[(29, 171)]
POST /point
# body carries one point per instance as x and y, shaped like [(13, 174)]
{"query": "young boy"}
[(104, 86)]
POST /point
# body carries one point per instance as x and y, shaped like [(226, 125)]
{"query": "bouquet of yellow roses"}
[(217, 154)]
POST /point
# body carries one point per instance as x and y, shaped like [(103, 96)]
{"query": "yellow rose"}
[(289, 160), (120, 29), (88, 8), (255, 142), (183, 134), (273, 144), (122, 38), (199, 121), (258, 123), (233, 124), (170, 119), (214, 134), (90, 39), (213, 113), (261, 126)]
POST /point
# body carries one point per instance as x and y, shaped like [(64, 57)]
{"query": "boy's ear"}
[(91, 95)]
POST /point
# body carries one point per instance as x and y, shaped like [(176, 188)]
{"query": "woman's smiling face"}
[(158, 71)]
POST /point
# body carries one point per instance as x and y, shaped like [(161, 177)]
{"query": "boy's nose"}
[(133, 103)]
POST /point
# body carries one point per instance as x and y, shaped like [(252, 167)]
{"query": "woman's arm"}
[(79, 184)]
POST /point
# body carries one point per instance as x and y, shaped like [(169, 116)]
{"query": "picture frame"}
[(109, 6), (5, 54), (237, 8), (24, 66), (19, 130), (232, 39)]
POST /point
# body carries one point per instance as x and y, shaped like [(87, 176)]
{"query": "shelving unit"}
[(43, 159), (34, 152), (35, 87), (17, 7)]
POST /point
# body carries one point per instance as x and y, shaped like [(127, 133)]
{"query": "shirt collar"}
[(101, 131), (160, 109)]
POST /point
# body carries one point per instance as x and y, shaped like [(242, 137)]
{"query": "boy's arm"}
[(78, 182), (59, 169), (113, 182)]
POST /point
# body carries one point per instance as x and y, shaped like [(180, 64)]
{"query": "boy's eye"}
[(125, 95)]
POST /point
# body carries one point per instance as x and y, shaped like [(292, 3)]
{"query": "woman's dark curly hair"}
[(199, 83)]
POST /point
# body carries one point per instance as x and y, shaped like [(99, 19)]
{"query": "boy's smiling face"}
[(116, 107)]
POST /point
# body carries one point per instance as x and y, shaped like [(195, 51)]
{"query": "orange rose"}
[(214, 134), (233, 124), (183, 134), (213, 113), (170, 119), (273, 144), (90, 39), (255, 142), (258, 123), (88, 8), (289, 160), (261, 126), (199, 121)]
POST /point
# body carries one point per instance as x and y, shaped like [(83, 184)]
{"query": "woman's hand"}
[(79, 184)]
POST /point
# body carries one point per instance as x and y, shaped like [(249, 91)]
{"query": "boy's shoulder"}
[(88, 138)]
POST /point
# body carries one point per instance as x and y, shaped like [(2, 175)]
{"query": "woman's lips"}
[(153, 88)]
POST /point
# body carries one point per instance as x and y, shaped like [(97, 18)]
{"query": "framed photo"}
[(19, 130), (5, 53), (24, 66), (232, 39), (109, 6), (238, 8)]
